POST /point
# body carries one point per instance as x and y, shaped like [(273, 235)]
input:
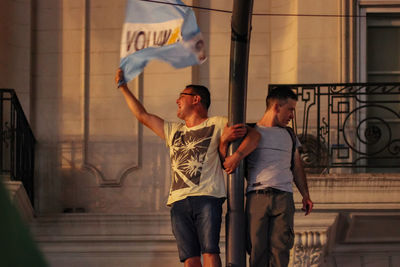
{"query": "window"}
[(380, 63)]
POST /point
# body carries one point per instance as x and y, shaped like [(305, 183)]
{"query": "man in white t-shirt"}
[(271, 168), (197, 147)]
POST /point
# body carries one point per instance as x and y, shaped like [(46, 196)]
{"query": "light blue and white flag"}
[(159, 30)]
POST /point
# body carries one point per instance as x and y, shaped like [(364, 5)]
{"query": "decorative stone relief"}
[(308, 249)]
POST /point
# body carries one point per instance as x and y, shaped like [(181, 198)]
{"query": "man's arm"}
[(300, 181), (230, 133), (248, 144), (155, 123)]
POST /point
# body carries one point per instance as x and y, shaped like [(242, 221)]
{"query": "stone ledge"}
[(364, 236), (136, 233), (139, 225), (134, 238), (368, 228), (20, 199), (353, 191)]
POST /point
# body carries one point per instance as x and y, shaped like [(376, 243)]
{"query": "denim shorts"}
[(196, 224)]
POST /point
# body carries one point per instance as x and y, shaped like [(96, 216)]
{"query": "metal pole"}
[(235, 218)]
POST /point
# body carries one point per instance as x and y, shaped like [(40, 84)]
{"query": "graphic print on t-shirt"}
[(189, 151)]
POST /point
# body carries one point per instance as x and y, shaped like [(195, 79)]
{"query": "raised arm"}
[(155, 123), (248, 144), (300, 180)]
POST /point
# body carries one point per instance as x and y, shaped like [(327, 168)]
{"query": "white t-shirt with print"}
[(196, 168)]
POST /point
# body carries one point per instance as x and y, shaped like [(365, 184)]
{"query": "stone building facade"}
[(102, 180)]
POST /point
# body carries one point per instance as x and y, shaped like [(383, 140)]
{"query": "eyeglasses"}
[(181, 94)]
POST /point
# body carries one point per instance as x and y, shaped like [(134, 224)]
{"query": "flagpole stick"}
[(235, 218)]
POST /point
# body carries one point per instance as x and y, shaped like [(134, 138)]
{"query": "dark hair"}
[(280, 93), (203, 92)]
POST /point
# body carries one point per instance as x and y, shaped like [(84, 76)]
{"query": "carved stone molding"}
[(308, 248), (311, 238)]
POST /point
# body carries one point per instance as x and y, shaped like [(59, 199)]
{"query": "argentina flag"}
[(164, 30)]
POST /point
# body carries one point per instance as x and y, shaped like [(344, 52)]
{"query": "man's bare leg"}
[(211, 260), (192, 262)]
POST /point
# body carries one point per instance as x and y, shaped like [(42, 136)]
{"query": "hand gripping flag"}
[(164, 30)]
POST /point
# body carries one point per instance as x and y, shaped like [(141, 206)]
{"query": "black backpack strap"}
[(252, 125), (293, 136)]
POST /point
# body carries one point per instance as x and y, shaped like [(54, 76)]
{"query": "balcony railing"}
[(354, 125), (17, 142)]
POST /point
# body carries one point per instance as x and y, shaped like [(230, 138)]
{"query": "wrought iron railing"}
[(354, 125), (17, 142)]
